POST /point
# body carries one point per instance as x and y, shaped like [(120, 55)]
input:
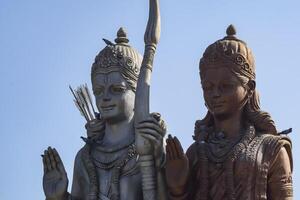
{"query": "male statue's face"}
[(223, 93), (114, 98)]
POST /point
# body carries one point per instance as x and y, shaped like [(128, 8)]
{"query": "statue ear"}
[(251, 85)]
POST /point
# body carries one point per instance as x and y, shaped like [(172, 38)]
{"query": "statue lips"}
[(216, 105), (107, 108)]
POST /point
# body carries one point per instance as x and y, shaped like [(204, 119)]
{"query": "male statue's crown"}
[(119, 57)]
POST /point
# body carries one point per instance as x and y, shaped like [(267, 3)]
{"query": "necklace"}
[(226, 156), (218, 148), (119, 160)]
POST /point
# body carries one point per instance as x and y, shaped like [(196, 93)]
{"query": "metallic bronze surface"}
[(237, 153)]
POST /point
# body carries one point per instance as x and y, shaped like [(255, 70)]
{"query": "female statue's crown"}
[(118, 57), (230, 52)]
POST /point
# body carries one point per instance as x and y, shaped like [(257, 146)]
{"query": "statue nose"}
[(106, 98), (216, 93), (106, 95)]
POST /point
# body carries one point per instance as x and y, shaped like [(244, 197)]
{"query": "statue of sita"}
[(238, 152)]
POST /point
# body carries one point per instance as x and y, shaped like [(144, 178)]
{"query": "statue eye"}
[(227, 86), (98, 91), (118, 89), (207, 87)]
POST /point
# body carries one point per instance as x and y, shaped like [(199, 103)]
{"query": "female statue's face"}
[(114, 98), (224, 94)]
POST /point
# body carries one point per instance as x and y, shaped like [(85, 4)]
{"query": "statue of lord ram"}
[(123, 157)]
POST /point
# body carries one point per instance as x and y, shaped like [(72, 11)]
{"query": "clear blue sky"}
[(47, 45)]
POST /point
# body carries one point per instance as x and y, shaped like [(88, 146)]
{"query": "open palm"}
[(177, 165), (55, 180)]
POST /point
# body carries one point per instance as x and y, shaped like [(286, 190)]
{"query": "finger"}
[(56, 156), (169, 151), (149, 124), (163, 126), (151, 132), (92, 134), (168, 156), (173, 148), (48, 163), (178, 146), (44, 163), (152, 117), (58, 161), (156, 116), (170, 147), (155, 127), (161, 123), (95, 129), (95, 124), (149, 137), (52, 160), (149, 120)]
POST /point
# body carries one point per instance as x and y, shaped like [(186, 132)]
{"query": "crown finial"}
[(230, 31), (121, 36)]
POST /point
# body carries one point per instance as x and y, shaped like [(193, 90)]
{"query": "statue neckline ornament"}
[(219, 150), (111, 160)]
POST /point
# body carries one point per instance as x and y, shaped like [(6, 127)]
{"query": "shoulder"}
[(81, 155), (192, 150), (191, 154), (276, 146), (275, 141), (84, 166)]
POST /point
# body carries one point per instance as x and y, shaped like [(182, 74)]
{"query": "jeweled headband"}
[(230, 52)]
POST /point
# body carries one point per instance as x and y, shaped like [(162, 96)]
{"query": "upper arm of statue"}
[(280, 177), (78, 189), (191, 154)]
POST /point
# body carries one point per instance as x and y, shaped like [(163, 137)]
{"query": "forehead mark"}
[(105, 79)]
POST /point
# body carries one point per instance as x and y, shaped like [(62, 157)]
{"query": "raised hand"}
[(177, 166), (55, 180), (95, 128), (153, 129)]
